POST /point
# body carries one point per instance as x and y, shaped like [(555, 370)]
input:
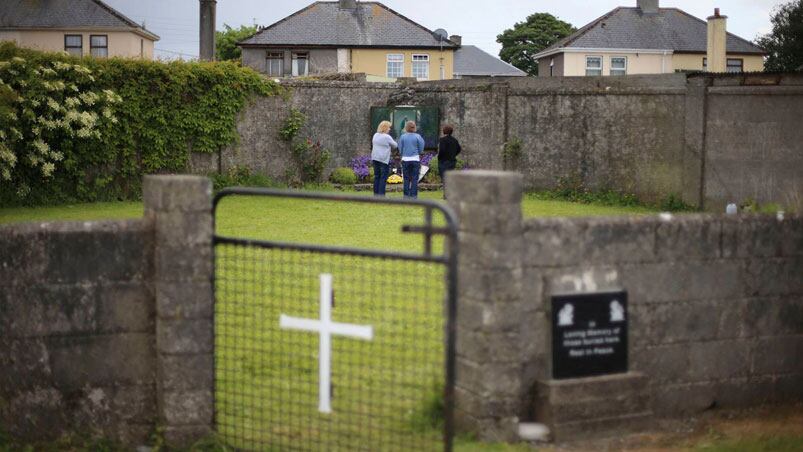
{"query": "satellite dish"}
[(441, 34)]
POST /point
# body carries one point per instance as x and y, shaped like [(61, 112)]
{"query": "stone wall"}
[(711, 140), (754, 142), (716, 303), (106, 327)]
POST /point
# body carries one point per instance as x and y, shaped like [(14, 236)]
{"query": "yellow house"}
[(80, 27), (347, 36), (649, 39)]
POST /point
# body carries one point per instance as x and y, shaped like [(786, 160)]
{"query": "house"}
[(648, 39), (347, 36), (79, 27), (473, 62)]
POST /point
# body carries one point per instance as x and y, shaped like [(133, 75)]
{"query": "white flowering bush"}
[(88, 129), (46, 111)]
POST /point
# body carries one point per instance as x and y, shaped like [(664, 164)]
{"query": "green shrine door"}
[(427, 119)]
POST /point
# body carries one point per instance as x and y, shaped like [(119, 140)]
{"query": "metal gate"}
[(335, 348)]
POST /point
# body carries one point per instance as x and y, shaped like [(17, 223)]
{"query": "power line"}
[(176, 53)]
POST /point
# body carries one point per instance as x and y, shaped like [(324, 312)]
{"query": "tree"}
[(521, 43), (226, 41), (785, 43)]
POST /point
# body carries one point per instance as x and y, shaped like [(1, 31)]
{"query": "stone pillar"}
[(694, 141), (489, 390), (207, 30), (180, 210)]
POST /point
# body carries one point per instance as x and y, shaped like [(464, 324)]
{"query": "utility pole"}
[(207, 30)]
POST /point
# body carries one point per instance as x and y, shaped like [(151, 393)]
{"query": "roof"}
[(66, 14), (325, 24), (471, 60), (630, 28)]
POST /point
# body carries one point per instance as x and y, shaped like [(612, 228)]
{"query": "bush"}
[(674, 203), (311, 159), (462, 164), (292, 124), (433, 175), (343, 176), (512, 153), (433, 167), (241, 177), (161, 110)]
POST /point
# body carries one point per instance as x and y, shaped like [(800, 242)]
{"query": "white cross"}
[(326, 328)]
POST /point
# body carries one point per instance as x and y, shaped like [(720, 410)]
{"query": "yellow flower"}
[(395, 179)]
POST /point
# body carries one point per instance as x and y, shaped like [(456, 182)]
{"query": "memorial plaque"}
[(589, 335)]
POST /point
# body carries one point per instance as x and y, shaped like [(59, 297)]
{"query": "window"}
[(552, 67), (618, 65), (300, 64), (74, 44), (735, 65), (593, 65), (99, 45), (142, 48), (395, 65), (421, 67), (275, 64)]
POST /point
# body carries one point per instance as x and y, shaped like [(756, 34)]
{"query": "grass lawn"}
[(531, 207), (266, 377)]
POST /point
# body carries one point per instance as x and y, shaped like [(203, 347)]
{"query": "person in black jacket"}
[(448, 148)]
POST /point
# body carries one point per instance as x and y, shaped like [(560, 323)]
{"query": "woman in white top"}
[(380, 156)]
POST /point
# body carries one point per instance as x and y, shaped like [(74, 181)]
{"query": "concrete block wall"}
[(716, 303), (77, 329), (179, 208), (491, 304), (106, 327)]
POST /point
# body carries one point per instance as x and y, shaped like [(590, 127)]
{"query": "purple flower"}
[(426, 158), (361, 166)]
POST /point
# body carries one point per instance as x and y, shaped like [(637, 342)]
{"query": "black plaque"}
[(589, 335)]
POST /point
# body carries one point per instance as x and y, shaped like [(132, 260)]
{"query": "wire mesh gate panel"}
[(324, 348)]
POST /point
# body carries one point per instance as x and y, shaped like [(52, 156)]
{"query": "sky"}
[(478, 21)]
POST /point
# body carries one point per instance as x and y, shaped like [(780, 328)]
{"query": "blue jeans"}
[(411, 170), (381, 173)]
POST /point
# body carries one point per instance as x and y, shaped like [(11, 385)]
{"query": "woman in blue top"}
[(411, 145)]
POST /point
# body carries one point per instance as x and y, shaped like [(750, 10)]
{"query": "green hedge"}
[(107, 122)]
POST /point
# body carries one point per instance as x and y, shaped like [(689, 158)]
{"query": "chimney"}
[(348, 4), (457, 39), (648, 6), (207, 51), (717, 42)]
